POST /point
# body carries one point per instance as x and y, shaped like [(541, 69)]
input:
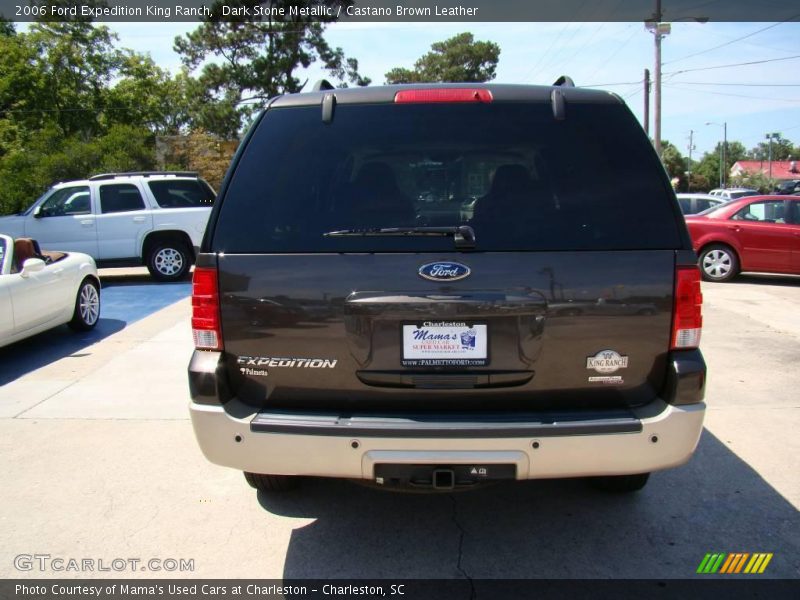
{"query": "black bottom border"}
[(728, 587)]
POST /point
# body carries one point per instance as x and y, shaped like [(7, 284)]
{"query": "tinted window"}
[(704, 204), (67, 201), (686, 205), (2, 253), (181, 193), (521, 179), (122, 197)]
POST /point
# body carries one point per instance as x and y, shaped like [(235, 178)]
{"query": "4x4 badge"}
[(444, 271)]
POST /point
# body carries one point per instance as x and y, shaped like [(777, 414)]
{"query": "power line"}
[(608, 60), (753, 62), (707, 83), (739, 39), (610, 84), (677, 84)]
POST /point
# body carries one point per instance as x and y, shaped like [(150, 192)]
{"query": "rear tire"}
[(169, 260), (718, 262), (87, 306), (620, 484), (271, 483)]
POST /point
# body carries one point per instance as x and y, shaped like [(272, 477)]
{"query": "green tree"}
[(148, 96), (73, 104), (458, 59), (244, 62), (782, 149), (708, 166), (674, 163), (756, 181), (49, 156), (77, 63)]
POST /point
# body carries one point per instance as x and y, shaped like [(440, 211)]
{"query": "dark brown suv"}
[(381, 293)]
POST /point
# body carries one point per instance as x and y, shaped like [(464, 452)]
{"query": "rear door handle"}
[(734, 228), (87, 223), (139, 219)]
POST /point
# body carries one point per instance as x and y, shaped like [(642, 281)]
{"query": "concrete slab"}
[(145, 381), (18, 396), (90, 477)]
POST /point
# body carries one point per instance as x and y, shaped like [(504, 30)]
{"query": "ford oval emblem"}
[(444, 271)]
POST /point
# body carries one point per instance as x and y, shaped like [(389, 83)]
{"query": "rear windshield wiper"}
[(463, 235)]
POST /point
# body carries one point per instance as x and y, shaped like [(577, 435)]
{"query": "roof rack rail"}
[(322, 84), (564, 81), (103, 176)]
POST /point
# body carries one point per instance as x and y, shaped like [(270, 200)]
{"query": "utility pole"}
[(647, 101), (689, 162), (659, 30), (725, 154), (770, 137)]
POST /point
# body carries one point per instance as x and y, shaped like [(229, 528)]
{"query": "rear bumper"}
[(657, 436)]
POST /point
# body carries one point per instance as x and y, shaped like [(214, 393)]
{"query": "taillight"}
[(687, 318), (206, 329), (443, 95)]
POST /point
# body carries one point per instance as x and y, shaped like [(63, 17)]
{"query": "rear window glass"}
[(123, 197), (181, 193), (518, 177)]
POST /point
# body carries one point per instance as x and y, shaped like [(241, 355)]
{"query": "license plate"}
[(445, 344)]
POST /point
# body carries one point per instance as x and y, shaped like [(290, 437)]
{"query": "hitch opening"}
[(444, 479)]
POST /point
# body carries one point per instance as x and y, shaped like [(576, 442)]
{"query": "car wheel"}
[(718, 263), (168, 261), (87, 306), (620, 484), (271, 483)]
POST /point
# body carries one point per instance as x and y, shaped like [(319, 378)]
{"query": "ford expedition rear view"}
[(439, 286)]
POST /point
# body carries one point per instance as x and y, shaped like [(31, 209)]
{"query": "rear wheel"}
[(718, 263), (620, 484), (87, 306), (271, 483), (169, 260)]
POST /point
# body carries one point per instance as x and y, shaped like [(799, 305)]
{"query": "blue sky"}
[(592, 54)]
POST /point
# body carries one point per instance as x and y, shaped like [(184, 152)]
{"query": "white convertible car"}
[(40, 290)]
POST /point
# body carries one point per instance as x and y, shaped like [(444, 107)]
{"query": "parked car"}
[(446, 361), (40, 290), (692, 204), (760, 233), (732, 193), (787, 188), (121, 219)]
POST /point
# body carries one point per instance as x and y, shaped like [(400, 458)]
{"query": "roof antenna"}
[(564, 81), (322, 84)]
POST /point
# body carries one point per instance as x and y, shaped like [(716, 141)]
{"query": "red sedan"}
[(757, 233)]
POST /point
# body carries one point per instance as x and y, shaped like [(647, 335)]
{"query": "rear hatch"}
[(447, 255)]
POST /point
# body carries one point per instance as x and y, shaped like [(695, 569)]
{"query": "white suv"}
[(121, 219), (732, 193)]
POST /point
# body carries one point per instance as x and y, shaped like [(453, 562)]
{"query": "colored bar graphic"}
[(703, 563), (715, 566), (741, 562), (729, 562), (765, 563), (734, 562)]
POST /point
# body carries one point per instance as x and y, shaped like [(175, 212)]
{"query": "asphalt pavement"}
[(99, 462)]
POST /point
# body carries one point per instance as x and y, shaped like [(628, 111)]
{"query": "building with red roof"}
[(782, 170)]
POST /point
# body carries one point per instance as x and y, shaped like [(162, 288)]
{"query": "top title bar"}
[(355, 11)]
